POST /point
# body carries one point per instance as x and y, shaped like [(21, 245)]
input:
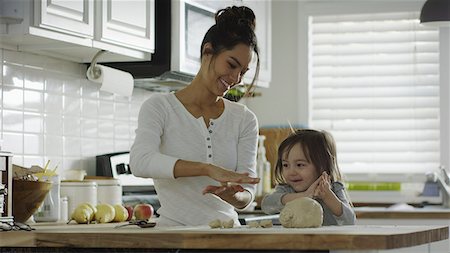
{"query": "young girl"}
[(307, 167)]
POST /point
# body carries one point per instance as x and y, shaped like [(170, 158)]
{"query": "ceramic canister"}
[(78, 192), (109, 191)]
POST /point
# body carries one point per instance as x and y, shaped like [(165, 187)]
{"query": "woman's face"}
[(297, 171), (228, 68)]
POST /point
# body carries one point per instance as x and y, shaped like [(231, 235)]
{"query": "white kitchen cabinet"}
[(76, 30), (72, 17), (126, 23), (192, 18)]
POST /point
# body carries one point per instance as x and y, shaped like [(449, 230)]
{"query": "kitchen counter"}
[(343, 238), (413, 213)]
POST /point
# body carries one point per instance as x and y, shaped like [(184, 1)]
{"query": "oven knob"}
[(120, 168)]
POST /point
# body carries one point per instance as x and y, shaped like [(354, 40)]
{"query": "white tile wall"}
[(50, 111)]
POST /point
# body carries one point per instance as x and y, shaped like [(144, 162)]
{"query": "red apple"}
[(130, 212), (143, 211)]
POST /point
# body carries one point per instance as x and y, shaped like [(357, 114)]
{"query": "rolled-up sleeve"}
[(145, 158)]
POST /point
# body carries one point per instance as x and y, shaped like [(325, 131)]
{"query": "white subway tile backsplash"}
[(29, 161), (106, 129), (13, 75), (89, 128), (33, 123), (53, 145), (50, 111), (54, 83), (33, 144), (12, 121), (72, 146), (72, 106), (90, 89), (120, 145), (13, 142), (72, 126), (121, 130), (122, 111), (89, 108), (72, 163), (53, 125), (12, 98), (106, 109), (53, 103), (33, 79), (105, 146), (72, 86), (33, 101), (88, 147)]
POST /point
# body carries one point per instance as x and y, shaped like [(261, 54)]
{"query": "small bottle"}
[(50, 208)]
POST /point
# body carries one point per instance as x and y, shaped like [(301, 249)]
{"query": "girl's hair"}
[(234, 25), (319, 148)]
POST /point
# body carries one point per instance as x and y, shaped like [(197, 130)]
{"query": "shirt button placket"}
[(209, 148)]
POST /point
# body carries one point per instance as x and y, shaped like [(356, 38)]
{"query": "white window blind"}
[(374, 84)]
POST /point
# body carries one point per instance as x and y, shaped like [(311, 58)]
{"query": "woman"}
[(199, 148)]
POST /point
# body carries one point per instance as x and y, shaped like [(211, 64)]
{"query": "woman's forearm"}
[(185, 168)]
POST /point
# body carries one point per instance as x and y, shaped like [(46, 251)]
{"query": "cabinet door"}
[(74, 17), (128, 23)]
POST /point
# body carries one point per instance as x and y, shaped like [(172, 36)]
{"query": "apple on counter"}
[(130, 212), (143, 211)]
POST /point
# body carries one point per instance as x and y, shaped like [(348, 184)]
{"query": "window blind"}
[(374, 84)]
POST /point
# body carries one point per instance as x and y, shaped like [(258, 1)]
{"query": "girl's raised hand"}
[(312, 188), (324, 186)]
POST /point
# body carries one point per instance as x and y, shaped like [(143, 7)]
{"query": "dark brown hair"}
[(319, 148), (234, 25)]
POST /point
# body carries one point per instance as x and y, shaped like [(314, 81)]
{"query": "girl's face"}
[(229, 66), (297, 171)]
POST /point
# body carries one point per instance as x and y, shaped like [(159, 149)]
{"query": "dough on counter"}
[(228, 224), (253, 224), (215, 224), (302, 213), (266, 223)]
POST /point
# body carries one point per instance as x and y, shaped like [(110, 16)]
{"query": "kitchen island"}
[(359, 238)]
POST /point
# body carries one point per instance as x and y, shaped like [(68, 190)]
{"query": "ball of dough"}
[(302, 213), (228, 224), (215, 224)]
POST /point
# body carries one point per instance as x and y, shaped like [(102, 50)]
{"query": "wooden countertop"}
[(418, 213), (202, 237)]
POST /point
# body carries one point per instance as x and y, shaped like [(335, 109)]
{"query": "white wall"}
[(286, 99)]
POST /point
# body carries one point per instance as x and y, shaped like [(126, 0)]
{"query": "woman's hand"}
[(225, 176), (230, 189), (323, 188)]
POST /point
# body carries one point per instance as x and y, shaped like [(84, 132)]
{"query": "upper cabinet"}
[(71, 17), (76, 30), (192, 18)]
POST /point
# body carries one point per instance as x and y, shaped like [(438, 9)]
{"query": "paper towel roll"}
[(112, 80)]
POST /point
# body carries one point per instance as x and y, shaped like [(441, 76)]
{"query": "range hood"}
[(158, 74), (168, 81)]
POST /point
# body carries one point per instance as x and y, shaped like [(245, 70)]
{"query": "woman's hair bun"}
[(236, 16)]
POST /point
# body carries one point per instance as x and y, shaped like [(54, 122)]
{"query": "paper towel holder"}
[(93, 71)]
